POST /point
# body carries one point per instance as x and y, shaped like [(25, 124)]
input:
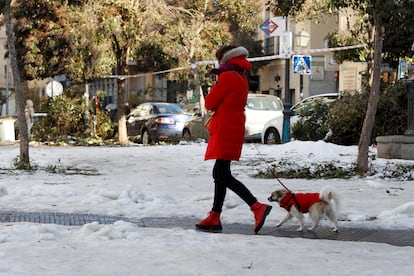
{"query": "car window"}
[(137, 111), (168, 109), (142, 110), (146, 110), (264, 103), (304, 106), (308, 104)]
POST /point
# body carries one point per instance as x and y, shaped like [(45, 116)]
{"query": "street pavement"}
[(392, 237)]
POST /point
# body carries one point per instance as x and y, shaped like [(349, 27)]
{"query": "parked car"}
[(308, 104), (273, 130), (274, 127), (154, 122), (260, 108), (194, 128)]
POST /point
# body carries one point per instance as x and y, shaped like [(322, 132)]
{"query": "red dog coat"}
[(301, 201)]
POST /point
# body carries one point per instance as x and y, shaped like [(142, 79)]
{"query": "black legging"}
[(223, 179)]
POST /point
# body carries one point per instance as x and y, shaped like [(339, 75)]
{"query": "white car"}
[(273, 130), (259, 110)]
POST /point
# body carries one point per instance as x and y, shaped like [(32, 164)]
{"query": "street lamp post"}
[(302, 39), (287, 104)]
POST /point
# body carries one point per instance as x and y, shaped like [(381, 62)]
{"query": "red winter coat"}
[(227, 98), (305, 201)]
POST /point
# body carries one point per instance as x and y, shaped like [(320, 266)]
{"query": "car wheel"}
[(272, 136), (186, 134), (145, 138)]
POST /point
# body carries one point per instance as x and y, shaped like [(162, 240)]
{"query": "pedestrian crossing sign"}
[(301, 65)]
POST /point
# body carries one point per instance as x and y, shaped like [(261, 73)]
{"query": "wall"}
[(6, 78)]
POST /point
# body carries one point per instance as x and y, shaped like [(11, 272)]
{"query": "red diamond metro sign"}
[(269, 26), (274, 26)]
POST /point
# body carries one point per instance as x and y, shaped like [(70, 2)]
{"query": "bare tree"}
[(377, 35)]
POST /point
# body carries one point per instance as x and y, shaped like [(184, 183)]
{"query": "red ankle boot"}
[(260, 212), (212, 222)]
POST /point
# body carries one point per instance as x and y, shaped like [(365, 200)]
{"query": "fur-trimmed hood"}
[(236, 52)]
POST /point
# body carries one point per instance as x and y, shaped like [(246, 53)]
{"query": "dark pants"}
[(223, 180)]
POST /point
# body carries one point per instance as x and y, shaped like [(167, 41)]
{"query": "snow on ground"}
[(173, 180)]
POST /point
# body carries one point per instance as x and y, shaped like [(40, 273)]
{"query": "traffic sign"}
[(285, 43), (54, 88), (301, 65), (402, 69), (274, 26)]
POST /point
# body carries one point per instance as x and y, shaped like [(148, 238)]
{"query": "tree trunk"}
[(121, 53), (24, 161), (122, 67), (121, 116), (375, 79)]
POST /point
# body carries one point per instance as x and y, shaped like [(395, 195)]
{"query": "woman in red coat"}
[(227, 98)]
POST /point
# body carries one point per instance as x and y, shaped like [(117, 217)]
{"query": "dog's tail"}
[(328, 195)]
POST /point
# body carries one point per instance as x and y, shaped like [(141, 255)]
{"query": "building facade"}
[(8, 108), (326, 75)]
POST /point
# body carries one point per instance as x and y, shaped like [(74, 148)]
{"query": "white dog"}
[(318, 205)]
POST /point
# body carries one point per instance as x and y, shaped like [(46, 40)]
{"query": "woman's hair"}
[(222, 50)]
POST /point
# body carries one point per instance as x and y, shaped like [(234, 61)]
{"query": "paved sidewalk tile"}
[(58, 218), (392, 237)]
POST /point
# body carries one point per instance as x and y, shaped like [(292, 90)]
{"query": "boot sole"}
[(209, 228), (260, 225)]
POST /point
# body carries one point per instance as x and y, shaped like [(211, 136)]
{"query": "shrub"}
[(312, 123), (66, 120), (347, 115), (346, 118), (391, 118), (64, 117)]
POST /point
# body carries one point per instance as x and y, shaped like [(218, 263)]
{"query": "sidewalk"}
[(392, 237)]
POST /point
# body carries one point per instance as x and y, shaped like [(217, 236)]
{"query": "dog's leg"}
[(331, 214), (286, 218), (299, 216), (315, 214)]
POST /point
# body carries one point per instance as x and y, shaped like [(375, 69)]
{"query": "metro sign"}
[(269, 26), (274, 26)]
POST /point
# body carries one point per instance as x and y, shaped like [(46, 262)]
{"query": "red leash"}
[(272, 170)]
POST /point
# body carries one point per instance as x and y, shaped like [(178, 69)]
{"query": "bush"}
[(64, 117), (345, 117), (312, 125), (66, 120), (391, 118)]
